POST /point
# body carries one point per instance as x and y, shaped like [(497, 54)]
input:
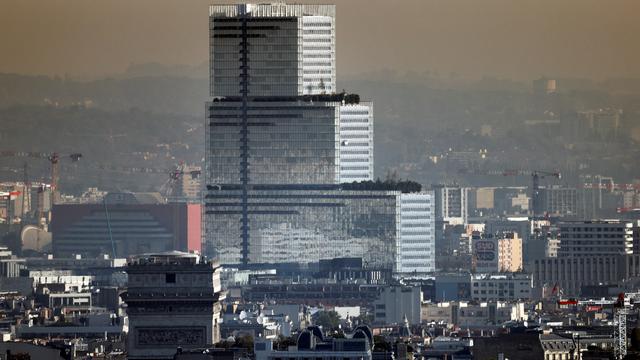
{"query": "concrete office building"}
[(394, 303), (454, 286), (173, 300), (473, 315), (597, 238), (190, 184), (10, 265), (604, 123), (509, 253), (559, 201), (490, 314), (572, 273), (451, 204), (502, 287)]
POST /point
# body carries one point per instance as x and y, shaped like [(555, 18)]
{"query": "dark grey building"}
[(597, 238)]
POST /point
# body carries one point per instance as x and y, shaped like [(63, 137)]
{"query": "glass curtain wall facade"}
[(277, 135), (305, 224), (273, 142), (275, 49)]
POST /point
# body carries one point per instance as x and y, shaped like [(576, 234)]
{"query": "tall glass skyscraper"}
[(281, 141), (272, 49)]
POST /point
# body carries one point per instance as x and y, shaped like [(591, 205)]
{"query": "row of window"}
[(317, 63), (590, 236), (592, 229), (414, 208), (351, 168), (316, 56), (318, 71), (317, 47), (418, 225), (317, 31), (416, 201), (414, 217), (414, 257), (349, 111), (307, 23), (416, 241), (318, 40), (354, 160), (344, 120), (354, 152), (354, 136)]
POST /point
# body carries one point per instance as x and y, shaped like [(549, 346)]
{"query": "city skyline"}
[(243, 207)]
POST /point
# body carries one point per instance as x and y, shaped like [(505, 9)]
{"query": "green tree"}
[(380, 344), (329, 320), (244, 342), (283, 343)]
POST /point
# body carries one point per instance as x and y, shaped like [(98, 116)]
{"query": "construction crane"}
[(175, 177), (536, 175), (169, 189), (621, 308), (54, 159)]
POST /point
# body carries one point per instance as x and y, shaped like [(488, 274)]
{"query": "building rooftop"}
[(279, 9), (166, 258)]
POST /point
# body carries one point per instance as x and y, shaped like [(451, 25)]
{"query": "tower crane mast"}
[(54, 159), (536, 175)]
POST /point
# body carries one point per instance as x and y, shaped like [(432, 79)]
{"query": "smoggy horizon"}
[(458, 38)]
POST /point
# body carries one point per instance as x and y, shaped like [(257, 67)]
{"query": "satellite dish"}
[(260, 320), (345, 142), (243, 315)]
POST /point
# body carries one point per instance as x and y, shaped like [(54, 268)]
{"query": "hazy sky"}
[(520, 39)]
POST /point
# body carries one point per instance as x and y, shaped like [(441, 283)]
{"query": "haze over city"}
[(506, 39)]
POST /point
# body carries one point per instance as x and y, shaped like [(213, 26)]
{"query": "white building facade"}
[(396, 302), (501, 287), (318, 54), (452, 206), (415, 251), (356, 142)]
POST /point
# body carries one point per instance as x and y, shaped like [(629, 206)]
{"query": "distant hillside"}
[(174, 95), (427, 128)]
